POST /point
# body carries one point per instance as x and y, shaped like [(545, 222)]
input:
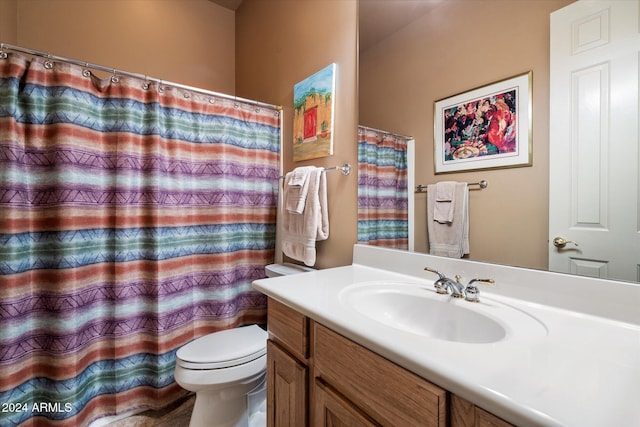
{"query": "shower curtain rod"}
[(385, 132), (116, 72)]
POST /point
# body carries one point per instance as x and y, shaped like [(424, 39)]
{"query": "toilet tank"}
[(285, 269)]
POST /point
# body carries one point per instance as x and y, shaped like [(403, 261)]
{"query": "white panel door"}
[(593, 188)]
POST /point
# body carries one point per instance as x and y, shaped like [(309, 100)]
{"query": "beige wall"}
[(459, 46), (278, 44), (183, 41), (8, 21)]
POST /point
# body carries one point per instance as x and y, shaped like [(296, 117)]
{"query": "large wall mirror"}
[(413, 52)]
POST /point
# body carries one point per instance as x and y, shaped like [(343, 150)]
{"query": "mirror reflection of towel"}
[(445, 201), (450, 239)]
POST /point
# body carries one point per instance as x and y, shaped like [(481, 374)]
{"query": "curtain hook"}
[(86, 72), (146, 84), (115, 78), (3, 54), (48, 64)]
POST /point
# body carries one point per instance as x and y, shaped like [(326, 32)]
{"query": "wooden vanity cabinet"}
[(317, 377)]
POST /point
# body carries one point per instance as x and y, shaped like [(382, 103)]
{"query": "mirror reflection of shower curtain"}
[(383, 217), (132, 220)]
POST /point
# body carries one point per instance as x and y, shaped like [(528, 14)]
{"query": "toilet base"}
[(226, 413), (225, 408)]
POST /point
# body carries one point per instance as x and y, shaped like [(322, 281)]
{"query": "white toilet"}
[(224, 369), (227, 371)]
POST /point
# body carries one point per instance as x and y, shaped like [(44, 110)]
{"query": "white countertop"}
[(585, 371)]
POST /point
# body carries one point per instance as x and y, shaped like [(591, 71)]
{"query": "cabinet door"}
[(286, 389), (466, 414), (332, 410)]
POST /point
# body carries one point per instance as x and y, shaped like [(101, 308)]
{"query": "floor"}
[(176, 415), (179, 415)]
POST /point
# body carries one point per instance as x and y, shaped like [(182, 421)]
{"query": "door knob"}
[(561, 242)]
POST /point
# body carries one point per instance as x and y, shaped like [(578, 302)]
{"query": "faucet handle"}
[(472, 293), (440, 275), (441, 283), (489, 282)]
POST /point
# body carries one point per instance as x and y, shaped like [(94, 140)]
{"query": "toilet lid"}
[(223, 349)]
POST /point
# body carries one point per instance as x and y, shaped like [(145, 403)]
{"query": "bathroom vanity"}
[(347, 384), (373, 344)]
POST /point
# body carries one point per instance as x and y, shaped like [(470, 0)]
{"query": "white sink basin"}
[(417, 309)]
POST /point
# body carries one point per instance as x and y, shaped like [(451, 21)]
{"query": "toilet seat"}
[(224, 349)]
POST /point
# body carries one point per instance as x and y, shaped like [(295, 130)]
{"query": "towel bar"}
[(482, 184), (345, 169)]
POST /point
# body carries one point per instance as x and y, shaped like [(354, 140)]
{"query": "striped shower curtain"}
[(382, 189), (133, 217)]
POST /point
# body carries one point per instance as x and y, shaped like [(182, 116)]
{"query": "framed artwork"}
[(313, 115), (485, 128)]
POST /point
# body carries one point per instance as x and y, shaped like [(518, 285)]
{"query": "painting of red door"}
[(310, 124), (313, 115)]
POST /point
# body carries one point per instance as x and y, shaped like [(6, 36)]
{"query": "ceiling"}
[(229, 4), (381, 18)]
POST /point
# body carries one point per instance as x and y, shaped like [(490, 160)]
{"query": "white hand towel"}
[(296, 186), (450, 239), (444, 205), (301, 231)]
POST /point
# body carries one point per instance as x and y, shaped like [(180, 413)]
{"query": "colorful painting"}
[(488, 127), (313, 115)]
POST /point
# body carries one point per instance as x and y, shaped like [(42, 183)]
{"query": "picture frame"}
[(485, 128), (313, 115)]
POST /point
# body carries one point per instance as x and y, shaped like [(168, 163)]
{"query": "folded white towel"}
[(444, 205), (296, 186), (450, 239), (301, 231)]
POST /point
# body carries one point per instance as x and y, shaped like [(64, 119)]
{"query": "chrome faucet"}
[(458, 290), (443, 284)]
